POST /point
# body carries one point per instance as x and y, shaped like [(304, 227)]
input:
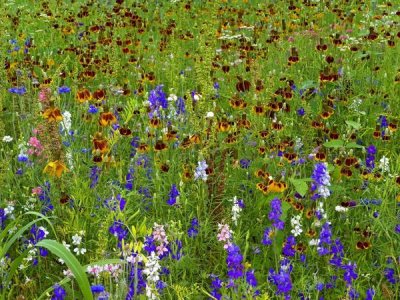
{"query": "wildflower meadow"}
[(183, 149)]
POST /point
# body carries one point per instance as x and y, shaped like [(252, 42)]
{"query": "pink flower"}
[(44, 95), (37, 190)]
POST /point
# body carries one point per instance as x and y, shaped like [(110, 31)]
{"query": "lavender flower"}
[(200, 172)]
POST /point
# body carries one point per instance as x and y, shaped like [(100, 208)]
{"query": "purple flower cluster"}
[(173, 195), (157, 101)]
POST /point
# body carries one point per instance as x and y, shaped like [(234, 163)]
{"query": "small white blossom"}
[(79, 251), (7, 139), (76, 239)]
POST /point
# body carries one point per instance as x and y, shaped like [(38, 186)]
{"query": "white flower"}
[(313, 242), (384, 164), (340, 208), (7, 139), (79, 251), (295, 222), (210, 115), (8, 210), (236, 209), (66, 122), (76, 239), (172, 97), (68, 273), (152, 268)]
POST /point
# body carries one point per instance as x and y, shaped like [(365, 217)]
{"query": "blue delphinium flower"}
[(301, 112), (17, 90), (150, 244), (118, 230), (129, 179), (353, 294), (321, 180), (216, 285), (173, 195), (94, 176), (157, 100), (180, 106), (3, 218), (390, 275), (337, 254), (370, 294), (251, 278), (370, 160), (234, 262), (98, 288), (281, 280), (92, 109), (64, 89), (350, 273), (267, 236), (245, 163), (59, 292), (275, 213), (177, 254), (325, 240), (289, 246), (194, 228)]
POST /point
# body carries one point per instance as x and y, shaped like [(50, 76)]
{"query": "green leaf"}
[(300, 185), (334, 144), (72, 263), (353, 124), (354, 145)]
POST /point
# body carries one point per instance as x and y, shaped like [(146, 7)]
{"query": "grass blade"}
[(73, 264)]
